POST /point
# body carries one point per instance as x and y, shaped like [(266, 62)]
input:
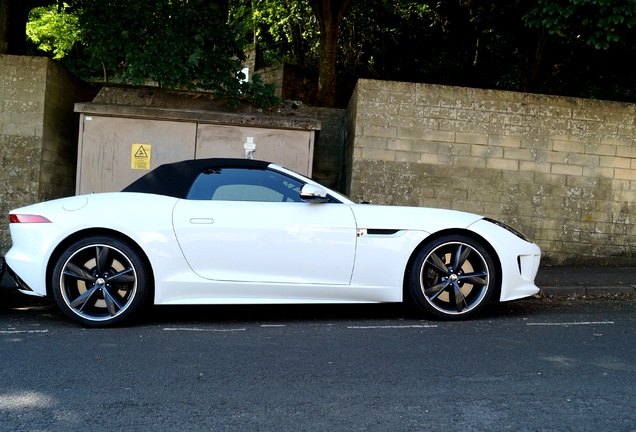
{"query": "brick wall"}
[(562, 170), (38, 133)]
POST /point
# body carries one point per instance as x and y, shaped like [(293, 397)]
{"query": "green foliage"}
[(476, 43), (290, 22), (188, 44), (54, 30), (382, 38), (261, 95), (178, 43), (285, 30), (600, 23)]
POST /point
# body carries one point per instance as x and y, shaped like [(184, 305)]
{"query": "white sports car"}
[(235, 231)]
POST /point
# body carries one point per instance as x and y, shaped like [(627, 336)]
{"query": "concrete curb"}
[(582, 291), (586, 280)]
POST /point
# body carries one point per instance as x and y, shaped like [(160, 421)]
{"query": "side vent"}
[(379, 231)]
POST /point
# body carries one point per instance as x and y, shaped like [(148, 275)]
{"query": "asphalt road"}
[(558, 364)]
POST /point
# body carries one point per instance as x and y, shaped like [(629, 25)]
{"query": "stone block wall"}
[(329, 146), (38, 133), (562, 170), (292, 83)]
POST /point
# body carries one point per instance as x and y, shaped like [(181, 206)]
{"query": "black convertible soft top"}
[(175, 179)]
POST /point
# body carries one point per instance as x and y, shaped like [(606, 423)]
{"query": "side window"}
[(240, 184), (246, 193)]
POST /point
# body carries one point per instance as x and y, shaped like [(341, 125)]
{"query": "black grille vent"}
[(380, 231)]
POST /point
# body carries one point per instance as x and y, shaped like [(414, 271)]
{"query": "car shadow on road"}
[(275, 314), (17, 306)]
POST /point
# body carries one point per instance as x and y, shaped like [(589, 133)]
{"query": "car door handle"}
[(199, 221)]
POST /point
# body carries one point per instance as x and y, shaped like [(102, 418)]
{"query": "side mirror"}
[(313, 194)]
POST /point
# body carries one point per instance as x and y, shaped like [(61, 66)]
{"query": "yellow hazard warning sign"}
[(140, 157)]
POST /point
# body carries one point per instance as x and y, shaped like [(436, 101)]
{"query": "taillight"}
[(25, 218)]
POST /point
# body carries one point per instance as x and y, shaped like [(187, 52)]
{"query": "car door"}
[(253, 227)]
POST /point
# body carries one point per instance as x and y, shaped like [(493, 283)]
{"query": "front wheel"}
[(453, 277), (100, 281)]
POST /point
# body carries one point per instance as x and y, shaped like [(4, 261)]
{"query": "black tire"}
[(453, 277), (100, 281)]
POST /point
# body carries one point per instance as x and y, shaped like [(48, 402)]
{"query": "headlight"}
[(508, 228)]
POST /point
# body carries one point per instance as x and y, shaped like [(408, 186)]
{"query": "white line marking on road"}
[(571, 323), (22, 331), (273, 325), (194, 329), (393, 327)]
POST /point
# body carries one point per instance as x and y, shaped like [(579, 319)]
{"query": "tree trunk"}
[(4, 21), (329, 14), (534, 53)]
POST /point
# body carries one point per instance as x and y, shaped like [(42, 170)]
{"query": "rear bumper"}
[(8, 279), (27, 258)]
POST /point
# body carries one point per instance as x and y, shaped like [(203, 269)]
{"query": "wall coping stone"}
[(201, 116)]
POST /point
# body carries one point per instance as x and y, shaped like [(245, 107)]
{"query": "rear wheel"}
[(453, 277), (100, 281)]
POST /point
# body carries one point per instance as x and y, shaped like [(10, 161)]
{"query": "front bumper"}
[(519, 259)]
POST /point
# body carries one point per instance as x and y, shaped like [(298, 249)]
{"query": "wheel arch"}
[(454, 231), (61, 247)]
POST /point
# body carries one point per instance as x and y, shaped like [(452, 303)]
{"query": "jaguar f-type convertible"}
[(237, 231)]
